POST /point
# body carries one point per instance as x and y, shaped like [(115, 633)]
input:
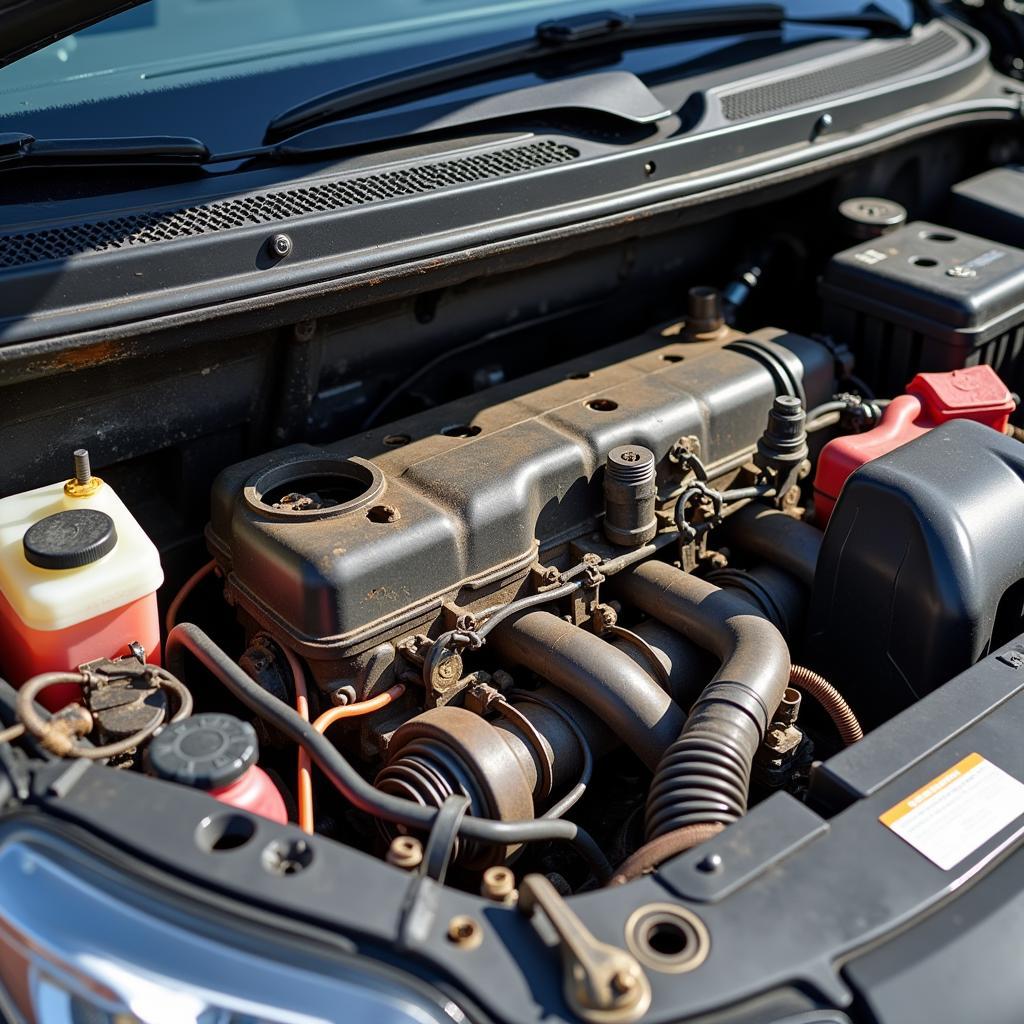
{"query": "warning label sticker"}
[(954, 814)]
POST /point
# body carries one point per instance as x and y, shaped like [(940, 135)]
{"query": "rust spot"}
[(91, 355)]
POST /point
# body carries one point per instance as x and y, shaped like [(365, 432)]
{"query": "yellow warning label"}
[(933, 788), (953, 815)]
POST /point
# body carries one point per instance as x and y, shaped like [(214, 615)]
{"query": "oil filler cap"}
[(71, 539), (206, 751)]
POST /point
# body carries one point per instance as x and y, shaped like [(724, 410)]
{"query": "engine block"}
[(338, 549)]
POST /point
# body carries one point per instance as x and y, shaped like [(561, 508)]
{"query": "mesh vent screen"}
[(267, 208), (841, 78)]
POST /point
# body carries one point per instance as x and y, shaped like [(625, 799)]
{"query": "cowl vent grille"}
[(798, 90), (270, 207)]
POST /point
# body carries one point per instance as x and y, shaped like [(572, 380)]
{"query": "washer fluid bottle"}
[(78, 581), (217, 753)]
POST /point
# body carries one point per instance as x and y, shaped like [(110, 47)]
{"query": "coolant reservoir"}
[(78, 581)]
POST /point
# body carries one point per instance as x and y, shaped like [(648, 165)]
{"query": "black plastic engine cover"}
[(992, 204), (920, 570), (452, 504)]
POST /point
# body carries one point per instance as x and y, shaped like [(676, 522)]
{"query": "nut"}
[(499, 884), (623, 983), (405, 852)]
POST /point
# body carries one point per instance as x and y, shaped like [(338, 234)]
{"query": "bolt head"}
[(280, 245), (710, 864), (823, 124), (623, 983)]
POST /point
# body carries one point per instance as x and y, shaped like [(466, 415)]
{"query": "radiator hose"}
[(704, 776)]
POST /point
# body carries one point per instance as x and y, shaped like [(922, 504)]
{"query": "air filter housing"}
[(921, 571)]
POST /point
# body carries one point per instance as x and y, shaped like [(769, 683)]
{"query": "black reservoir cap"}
[(206, 751), (71, 539)]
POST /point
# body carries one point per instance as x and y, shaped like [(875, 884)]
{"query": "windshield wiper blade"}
[(555, 39), (19, 149)]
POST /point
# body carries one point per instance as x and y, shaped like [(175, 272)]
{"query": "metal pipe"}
[(778, 538), (602, 678), (704, 776), (685, 667)]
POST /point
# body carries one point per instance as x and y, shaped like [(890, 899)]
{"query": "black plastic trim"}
[(101, 290)]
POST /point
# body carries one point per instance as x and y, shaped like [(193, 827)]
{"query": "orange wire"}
[(362, 707), (187, 587), (328, 718), (304, 787)]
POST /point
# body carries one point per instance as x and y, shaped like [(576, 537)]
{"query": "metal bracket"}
[(603, 984)]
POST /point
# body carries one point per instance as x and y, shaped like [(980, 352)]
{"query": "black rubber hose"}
[(778, 538), (704, 776), (598, 675), (188, 638)]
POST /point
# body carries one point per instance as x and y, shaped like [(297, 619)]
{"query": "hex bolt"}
[(280, 245), (83, 468)]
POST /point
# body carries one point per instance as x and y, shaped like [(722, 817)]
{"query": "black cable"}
[(190, 639), (544, 597), (836, 405), (747, 493)]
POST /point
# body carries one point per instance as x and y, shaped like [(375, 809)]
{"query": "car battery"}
[(927, 298)]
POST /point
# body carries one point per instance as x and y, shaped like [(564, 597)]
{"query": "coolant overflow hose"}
[(187, 638), (704, 775)]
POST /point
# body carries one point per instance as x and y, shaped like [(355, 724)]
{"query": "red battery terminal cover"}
[(974, 393)]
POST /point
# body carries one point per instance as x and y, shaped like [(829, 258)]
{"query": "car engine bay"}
[(534, 587)]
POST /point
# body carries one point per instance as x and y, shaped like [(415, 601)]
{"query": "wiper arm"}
[(555, 39), (616, 97), (18, 149)]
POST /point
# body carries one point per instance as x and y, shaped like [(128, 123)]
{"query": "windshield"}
[(138, 72)]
